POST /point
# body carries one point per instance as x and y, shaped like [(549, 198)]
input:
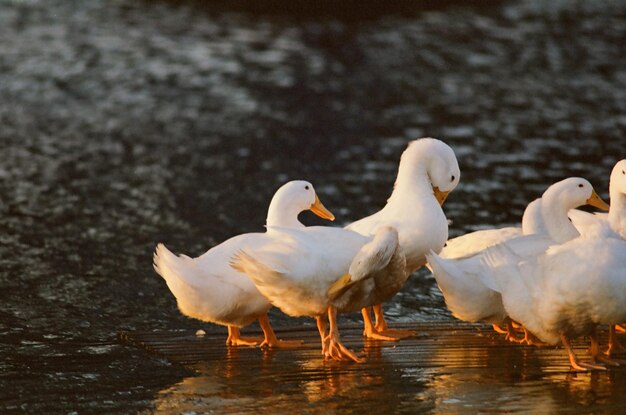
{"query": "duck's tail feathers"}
[(173, 267), (160, 260), (450, 278)]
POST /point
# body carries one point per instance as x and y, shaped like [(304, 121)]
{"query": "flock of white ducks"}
[(556, 277)]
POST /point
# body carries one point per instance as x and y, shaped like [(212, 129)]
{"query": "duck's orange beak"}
[(596, 201), (320, 210), (439, 195)]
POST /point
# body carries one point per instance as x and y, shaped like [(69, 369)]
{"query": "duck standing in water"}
[(428, 172), (459, 271), (208, 289), (321, 270)]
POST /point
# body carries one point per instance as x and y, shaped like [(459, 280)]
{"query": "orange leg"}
[(336, 350), (594, 351), (532, 340), (615, 347), (511, 334), (235, 339), (499, 329), (321, 327), (382, 328), (369, 331), (573, 360), (271, 340), (620, 328)]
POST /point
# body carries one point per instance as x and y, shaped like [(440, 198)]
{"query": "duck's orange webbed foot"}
[(615, 346), (334, 348), (383, 329), (271, 341), (235, 339), (369, 330), (573, 360)]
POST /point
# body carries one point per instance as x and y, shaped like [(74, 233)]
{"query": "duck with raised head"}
[(468, 293), (607, 224), (208, 289), (569, 289)]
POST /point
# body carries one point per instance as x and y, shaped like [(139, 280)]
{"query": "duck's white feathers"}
[(458, 285), (469, 292), (412, 208), (207, 287), (469, 244), (425, 229), (209, 291), (569, 289), (472, 243), (295, 271), (591, 224), (532, 219)]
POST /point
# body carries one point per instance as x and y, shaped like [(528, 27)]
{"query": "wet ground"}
[(447, 368), (127, 123)]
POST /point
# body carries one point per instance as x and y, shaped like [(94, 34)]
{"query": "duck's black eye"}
[(580, 185), (306, 187), (452, 178)]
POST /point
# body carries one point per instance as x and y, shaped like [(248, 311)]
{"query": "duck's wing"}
[(271, 282), (474, 242), (390, 279), (295, 271), (290, 281), (370, 261)]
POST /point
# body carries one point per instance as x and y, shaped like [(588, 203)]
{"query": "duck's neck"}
[(412, 185), (283, 214), (554, 215), (617, 212)]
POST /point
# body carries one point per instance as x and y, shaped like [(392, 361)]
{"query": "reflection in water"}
[(440, 375), (289, 383), (517, 379)]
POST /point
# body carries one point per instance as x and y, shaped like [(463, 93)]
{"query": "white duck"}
[(377, 273), (565, 292), (469, 293), (607, 224), (428, 171), (546, 215), (208, 289), (319, 270)]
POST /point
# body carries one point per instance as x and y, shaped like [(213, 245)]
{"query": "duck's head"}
[(575, 191), (292, 198), (617, 183), (436, 160)]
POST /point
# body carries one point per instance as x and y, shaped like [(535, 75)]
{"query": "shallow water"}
[(376, 388), (125, 124)]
